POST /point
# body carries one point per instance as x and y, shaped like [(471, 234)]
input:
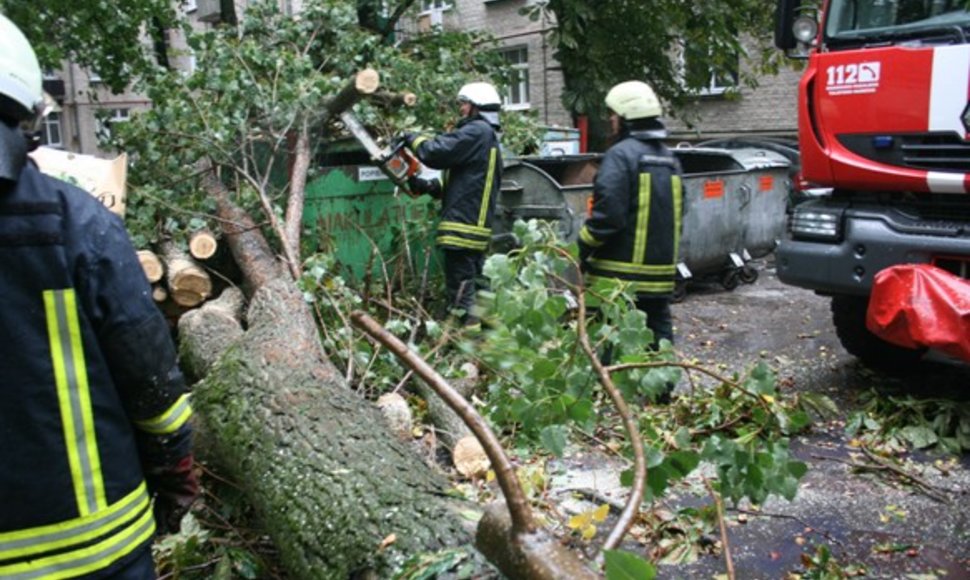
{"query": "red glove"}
[(175, 489)]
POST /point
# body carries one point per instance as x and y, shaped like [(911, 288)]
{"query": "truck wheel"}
[(749, 274), (849, 317)]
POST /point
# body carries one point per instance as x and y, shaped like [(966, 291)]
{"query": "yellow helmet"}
[(634, 100), (21, 94)]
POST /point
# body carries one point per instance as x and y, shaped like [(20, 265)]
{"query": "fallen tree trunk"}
[(329, 482)]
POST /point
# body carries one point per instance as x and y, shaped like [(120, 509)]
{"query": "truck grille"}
[(927, 151), (935, 152)]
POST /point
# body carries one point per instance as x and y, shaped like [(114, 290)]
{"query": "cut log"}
[(188, 283), (365, 82), (203, 245), (206, 332), (470, 458), (159, 293), (151, 265)]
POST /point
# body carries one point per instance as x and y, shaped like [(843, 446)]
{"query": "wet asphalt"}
[(868, 521)]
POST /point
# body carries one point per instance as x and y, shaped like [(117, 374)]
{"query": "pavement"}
[(869, 521)]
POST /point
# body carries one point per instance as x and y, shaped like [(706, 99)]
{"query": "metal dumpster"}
[(734, 208), (354, 211)]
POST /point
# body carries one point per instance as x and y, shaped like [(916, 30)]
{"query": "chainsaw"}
[(396, 162)]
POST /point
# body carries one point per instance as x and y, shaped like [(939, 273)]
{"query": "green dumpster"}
[(375, 232)]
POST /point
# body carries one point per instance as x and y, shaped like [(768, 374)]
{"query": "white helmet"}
[(482, 95), (633, 100), (20, 76)]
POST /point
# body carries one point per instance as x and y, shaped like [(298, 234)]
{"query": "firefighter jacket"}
[(633, 231), (89, 388), (472, 175)]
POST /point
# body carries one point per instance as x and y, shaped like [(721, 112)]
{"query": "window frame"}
[(522, 79), (52, 119)]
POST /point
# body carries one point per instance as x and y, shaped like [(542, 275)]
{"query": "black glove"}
[(175, 488), (408, 138), (418, 186)]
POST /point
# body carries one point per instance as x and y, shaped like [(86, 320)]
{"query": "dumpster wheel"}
[(749, 274), (731, 278), (680, 291)]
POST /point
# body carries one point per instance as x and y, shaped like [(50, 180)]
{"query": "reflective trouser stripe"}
[(94, 557), (643, 220), (170, 421), (457, 242), (465, 229), (74, 396), (490, 177), (23, 543), (627, 268), (636, 286)]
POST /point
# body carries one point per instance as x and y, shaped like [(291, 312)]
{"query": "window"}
[(432, 5), (51, 134), (93, 77), (517, 94), (698, 71), (189, 6), (108, 117)]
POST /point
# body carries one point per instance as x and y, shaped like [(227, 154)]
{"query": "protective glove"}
[(408, 138), (418, 185), (175, 488)]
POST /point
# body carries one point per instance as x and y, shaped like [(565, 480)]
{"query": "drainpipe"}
[(75, 107)]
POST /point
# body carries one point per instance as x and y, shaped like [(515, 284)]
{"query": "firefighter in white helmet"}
[(96, 450), (472, 162), (633, 230)]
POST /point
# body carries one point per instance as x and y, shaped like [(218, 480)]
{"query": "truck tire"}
[(849, 317)]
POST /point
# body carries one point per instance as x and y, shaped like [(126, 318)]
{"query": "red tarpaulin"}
[(918, 305)]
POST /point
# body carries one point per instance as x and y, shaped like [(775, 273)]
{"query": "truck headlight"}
[(817, 223)]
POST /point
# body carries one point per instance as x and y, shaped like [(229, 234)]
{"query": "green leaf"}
[(627, 566), (553, 438), (918, 436)]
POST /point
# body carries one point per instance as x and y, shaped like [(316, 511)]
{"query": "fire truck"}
[(883, 121)]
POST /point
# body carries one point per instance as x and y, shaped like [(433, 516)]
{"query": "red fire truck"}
[(884, 121)]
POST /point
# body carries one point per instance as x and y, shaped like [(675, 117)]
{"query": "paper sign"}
[(102, 178), (714, 188), (766, 183)]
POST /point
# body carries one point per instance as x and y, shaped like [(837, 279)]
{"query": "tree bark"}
[(328, 480)]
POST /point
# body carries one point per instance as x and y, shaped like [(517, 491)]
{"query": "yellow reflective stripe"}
[(170, 421), (462, 243), (74, 397), (94, 557), (678, 212), (646, 287), (628, 268), (465, 229), (52, 537), (418, 141), (490, 177), (588, 238), (643, 220)]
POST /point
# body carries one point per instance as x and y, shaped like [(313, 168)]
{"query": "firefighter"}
[(93, 410), (472, 174), (633, 230)]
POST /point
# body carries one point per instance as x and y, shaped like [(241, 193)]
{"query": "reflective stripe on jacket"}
[(90, 390), (472, 164), (635, 224)]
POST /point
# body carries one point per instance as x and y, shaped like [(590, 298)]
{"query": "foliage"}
[(104, 36), (905, 421), (627, 566), (600, 44), (542, 388)]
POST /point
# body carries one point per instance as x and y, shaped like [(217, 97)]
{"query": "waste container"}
[(734, 206), (354, 211)]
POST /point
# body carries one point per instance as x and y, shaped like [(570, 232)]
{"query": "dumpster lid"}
[(757, 158)]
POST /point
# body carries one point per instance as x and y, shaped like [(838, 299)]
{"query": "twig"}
[(689, 367), (828, 536), (181, 571), (592, 494), (925, 487), (720, 521), (518, 506)]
